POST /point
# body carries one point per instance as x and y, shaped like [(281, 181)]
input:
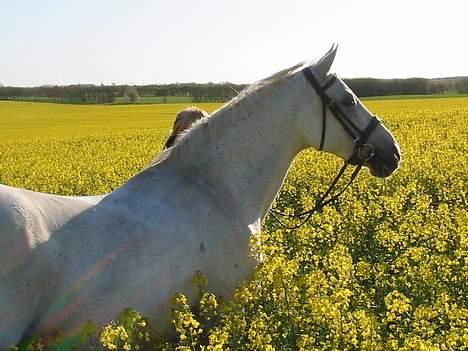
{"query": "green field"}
[(414, 97), (384, 268), (120, 100)]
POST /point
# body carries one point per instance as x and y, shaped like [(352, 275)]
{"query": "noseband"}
[(362, 152)]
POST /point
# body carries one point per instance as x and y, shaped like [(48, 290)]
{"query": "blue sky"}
[(143, 42)]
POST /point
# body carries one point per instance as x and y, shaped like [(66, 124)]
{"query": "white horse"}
[(64, 260)]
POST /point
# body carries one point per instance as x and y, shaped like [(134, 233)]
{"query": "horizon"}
[(204, 83), (53, 43)]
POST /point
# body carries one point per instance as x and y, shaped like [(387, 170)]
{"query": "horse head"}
[(348, 129)]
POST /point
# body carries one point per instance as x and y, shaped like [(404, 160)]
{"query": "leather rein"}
[(362, 151)]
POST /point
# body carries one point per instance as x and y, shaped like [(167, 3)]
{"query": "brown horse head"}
[(183, 121)]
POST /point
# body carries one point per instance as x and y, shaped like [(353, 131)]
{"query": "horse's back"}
[(27, 219)]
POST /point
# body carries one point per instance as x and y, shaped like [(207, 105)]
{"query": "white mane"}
[(223, 118)]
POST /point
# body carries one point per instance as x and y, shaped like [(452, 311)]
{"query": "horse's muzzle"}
[(383, 164)]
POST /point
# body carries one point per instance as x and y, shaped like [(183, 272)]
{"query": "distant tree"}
[(131, 94), (437, 88), (462, 86), (109, 98)]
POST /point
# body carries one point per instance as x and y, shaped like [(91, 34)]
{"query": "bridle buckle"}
[(365, 152)]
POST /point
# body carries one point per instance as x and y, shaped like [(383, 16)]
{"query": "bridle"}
[(362, 151)]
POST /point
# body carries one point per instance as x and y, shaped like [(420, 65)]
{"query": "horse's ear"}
[(322, 67)]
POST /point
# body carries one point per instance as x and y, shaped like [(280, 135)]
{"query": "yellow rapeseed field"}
[(80, 149), (384, 268)]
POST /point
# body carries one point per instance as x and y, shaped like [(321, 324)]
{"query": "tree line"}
[(219, 92), (88, 93), (364, 87)]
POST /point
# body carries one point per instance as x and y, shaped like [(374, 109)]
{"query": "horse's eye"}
[(349, 101)]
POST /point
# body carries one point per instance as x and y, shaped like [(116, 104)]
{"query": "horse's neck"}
[(245, 157)]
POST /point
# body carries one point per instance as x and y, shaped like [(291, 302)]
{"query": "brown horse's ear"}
[(322, 67)]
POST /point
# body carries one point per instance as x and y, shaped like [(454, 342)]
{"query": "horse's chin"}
[(382, 169), (380, 172)]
